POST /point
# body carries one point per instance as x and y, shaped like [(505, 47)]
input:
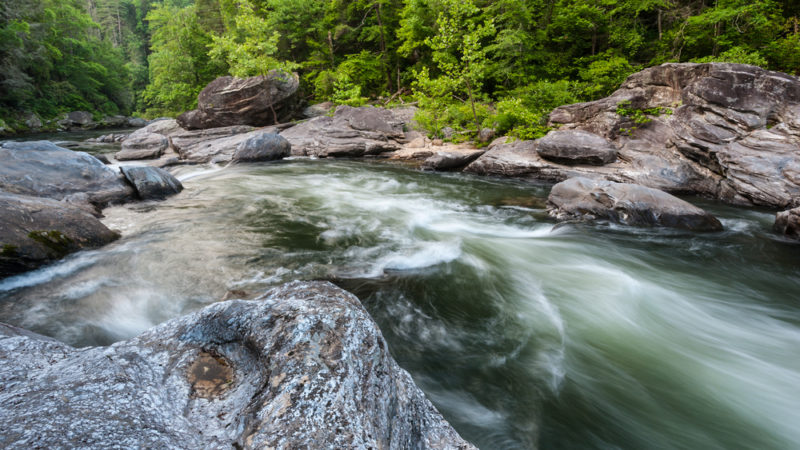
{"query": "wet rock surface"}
[(43, 169), (629, 204), (351, 132), (151, 182), (262, 147), (34, 231), (256, 101), (451, 160), (787, 223), (302, 366), (727, 131), (576, 147)]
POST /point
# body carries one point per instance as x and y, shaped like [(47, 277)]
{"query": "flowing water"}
[(524, 333)]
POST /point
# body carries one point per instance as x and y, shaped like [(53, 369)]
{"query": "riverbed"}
[(523, 332)]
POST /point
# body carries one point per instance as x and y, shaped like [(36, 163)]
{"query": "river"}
[(524, 333)]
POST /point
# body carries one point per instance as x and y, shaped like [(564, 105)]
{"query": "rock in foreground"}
[(35, 231), (304, 366), (262, 146), (257, 101), (629, 204)]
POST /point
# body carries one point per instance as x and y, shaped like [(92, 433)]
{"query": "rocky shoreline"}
[(723, 131)]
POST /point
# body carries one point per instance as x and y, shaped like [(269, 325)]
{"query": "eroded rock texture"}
[(303, 366), (629, 204), (257, 101), (350, 132), (727, 131)]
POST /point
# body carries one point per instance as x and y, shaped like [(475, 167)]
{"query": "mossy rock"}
[(56, 241)]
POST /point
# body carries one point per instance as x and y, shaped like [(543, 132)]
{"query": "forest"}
[(466, 64)]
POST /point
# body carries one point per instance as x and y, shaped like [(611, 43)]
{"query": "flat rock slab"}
[(35, 231), (451, 160), (629, 204), (303, 366), (43, 169), (151, 182), (787, 223), (351, 132), (576, 147)]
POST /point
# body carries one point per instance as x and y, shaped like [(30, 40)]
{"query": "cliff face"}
[(303, 366)]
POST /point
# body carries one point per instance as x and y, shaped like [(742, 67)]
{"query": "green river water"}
[(524, 333)]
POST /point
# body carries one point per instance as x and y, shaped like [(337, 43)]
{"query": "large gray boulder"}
[(629, 204), (43, 169), (257, 101), (35, 231), (727, 131), (787, 223), (262, 147), (350, 132), (149, 142), (151, 182), (576, 147), (303, 366)]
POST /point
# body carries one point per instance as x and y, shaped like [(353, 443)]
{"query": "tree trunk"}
[(472, 104)]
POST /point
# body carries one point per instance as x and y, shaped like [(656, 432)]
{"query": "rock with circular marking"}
[(303, 366)]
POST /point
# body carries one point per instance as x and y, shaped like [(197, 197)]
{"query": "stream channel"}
[(522, 332)]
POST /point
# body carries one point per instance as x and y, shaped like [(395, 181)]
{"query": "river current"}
[(524, 333)]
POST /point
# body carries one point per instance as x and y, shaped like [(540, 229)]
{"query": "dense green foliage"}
[(468, 63)]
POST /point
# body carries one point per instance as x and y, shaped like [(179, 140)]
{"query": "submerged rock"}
[(262, 147), (628, 204), (43, 169), (35, 231), (787, 223), (151, 182), (350, 132), (257, 101), (302, 366), (727, 131)]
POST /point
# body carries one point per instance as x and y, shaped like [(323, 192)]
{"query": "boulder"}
[(77, 120), (149, 142), (142, 145), (629, 204), (302, 366), (319, 109), (43, 169), (151, 182), (213, 144), (451, 160), (262, 146), (114, 121), (787, 223), (136, 122), (576, 147), (257, 101), (350, 132), (35, 231), (33, 121), (727, 131)]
